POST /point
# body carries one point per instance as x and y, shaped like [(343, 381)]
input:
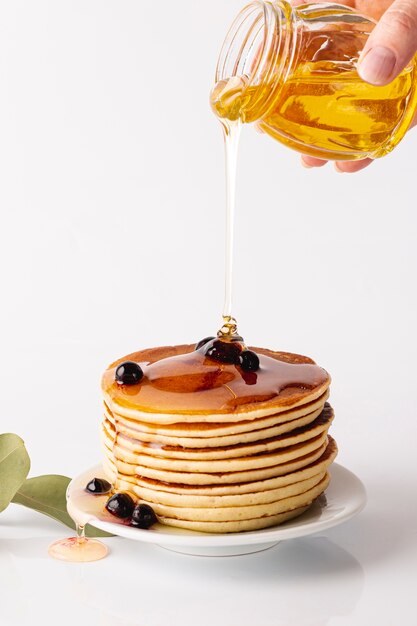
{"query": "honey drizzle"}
[(78, 549), (231, 134), (80, 530)]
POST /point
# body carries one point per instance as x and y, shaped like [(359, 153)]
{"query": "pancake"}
[(208, 430), (234, 527), (239, 512), (213, 447), (180, 381), (238, 464), (113, 467), (317, 467), (298, 435), (237, 500), (238, 432)]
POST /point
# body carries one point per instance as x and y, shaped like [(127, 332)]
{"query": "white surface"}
[(111, 239), (344, 498)]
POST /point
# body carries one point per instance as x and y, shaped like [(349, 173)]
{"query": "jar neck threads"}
[(256, 58)]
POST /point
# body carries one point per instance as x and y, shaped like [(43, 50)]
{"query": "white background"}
[(112, 238)]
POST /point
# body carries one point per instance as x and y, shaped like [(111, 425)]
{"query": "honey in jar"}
[(293, 72)]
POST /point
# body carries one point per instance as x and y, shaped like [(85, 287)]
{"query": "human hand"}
[(389, 49)]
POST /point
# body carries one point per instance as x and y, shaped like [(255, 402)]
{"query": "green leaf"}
[(47, 494), (14, 467)]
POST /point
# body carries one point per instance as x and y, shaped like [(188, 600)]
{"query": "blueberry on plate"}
[(128, 373), (98, 486), (143, 516), (121, 505), (249, 361)]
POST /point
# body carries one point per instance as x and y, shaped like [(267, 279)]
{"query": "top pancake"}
[(180, 381)]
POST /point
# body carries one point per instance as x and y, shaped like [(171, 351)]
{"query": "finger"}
[(309, 161), (350, 167), (371, 9), (391, 45)]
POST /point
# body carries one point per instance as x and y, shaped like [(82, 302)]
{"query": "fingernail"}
[(339, 169), (306, 165), (377, 66)]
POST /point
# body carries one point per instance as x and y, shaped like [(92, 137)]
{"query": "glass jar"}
[(292, 71)]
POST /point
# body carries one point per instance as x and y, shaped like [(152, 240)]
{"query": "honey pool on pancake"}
[(191, 383)]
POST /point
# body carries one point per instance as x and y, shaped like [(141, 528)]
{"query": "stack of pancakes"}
[(212, 449)]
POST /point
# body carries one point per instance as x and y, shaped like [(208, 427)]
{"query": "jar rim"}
[(244, 47), (258, 46)]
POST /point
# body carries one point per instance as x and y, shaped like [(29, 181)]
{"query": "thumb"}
[(391, 45)]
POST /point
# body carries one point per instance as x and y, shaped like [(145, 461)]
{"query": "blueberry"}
[(98, 486), (128, 373), (224, 351), (143, 516), (249, 361), (203, 342), (121, 505)]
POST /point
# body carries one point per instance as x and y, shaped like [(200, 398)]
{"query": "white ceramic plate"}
[(344, 498)]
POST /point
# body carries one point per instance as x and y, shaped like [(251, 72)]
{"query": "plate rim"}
[(355, 505)]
